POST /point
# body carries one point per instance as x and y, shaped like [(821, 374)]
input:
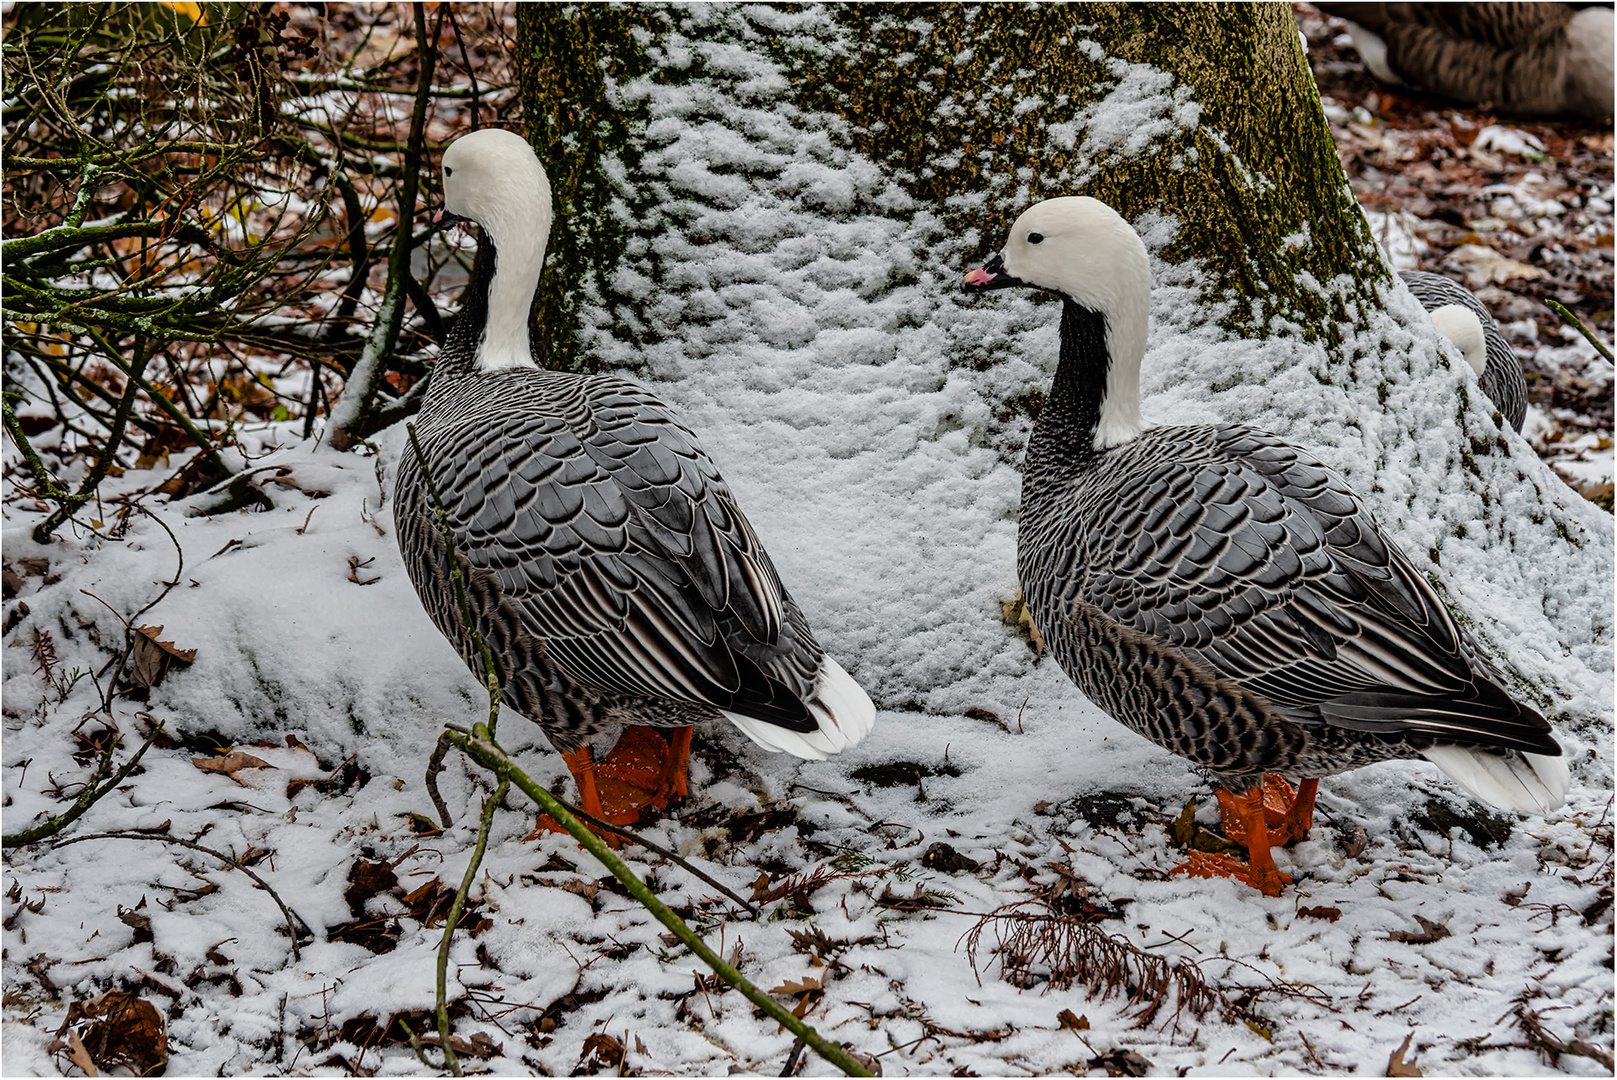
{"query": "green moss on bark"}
[(958, 100), (979, 111), (568, 56)]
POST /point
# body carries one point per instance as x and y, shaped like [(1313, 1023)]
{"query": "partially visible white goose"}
[(1530, 59), (1464, 320), (612, 574), (1221, 591)]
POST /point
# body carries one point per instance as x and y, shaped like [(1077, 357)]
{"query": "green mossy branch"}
[(94, 789), (479, 745)]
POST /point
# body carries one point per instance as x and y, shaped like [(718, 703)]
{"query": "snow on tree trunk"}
[(771, 189)]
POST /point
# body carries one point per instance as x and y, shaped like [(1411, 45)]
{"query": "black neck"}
[(459, 353), (1067, 423)]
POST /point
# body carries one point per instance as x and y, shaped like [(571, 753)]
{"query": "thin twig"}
[(228, 860), (482, 748), (1577, 324), (489, 806), (435, 765), (87, 798), (420, 1052), (657, 849)]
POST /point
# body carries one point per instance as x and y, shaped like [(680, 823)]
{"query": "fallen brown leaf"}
[(1121, 1063), (1071, 1022), (365, 880), (116, 1029), (153, 656), (231, 763), (77, 1054), (806, 985), (601, 1051), (1397, 1066), (1329, 914), (1429, 932)]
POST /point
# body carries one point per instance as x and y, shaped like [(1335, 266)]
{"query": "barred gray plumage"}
[(1501, 377), (612, 575), (1223, 592)]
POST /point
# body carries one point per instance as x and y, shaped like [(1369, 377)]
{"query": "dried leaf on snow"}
[(808, 984), (117, 1029), (77, 1054), (1070, 1022), (153, 656), (1396, 1065), (1429, 932), (1329, 914), (231, 763), (601, 1051)]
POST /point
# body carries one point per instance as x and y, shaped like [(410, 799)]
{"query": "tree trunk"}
[(669, 132)]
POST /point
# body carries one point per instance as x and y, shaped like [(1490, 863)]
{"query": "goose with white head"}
[(1466, 321), (1222, 592), (611, 574)]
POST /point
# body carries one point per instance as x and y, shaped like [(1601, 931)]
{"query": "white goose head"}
[(492, 177), (1460, 325), (1083, 250)]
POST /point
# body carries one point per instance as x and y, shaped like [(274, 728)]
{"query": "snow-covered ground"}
[(813, 335)]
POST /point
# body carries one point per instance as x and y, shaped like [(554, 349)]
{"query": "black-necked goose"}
[(1464, 320), (1530, 59), (1221, 591), (613, 576)]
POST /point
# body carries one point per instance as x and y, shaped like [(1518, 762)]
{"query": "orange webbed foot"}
[(644, 770), (1288, 813), (1268, 880), (1247, 822)]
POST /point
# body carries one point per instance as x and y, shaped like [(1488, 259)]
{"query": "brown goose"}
[(1530, 59), (1222, 592)]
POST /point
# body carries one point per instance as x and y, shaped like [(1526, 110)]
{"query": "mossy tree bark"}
[(961, 101)]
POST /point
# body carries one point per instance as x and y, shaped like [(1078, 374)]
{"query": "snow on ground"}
[(812, 333)]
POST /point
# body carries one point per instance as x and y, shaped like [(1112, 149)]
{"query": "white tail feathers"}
[(843, 711), (1529, 783)]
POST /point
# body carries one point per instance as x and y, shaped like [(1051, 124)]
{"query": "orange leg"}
[(1243, 814), (581, 763), (1288, 813), (675, 785), (644, 769)]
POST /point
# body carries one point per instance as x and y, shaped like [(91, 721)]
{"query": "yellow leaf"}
[(189, 8)]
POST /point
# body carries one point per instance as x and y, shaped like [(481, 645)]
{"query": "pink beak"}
[(979, 276)]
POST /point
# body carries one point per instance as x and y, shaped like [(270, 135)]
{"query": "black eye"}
[(1035, 238), (448, 171)]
